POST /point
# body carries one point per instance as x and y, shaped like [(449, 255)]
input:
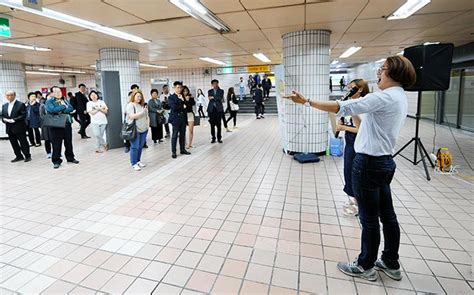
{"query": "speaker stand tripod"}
[(418, 145)]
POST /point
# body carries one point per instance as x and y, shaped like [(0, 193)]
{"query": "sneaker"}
[(262, 116), (141, 165), (351, 211), (228, 130), (136, 167), (349, 203), (353, 269), (56, 165), (49, 156), (235, 127), (394, 274)]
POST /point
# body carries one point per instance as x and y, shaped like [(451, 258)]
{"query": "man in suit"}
[(267, 85), (81, 110), (215, 110), (14, 117), (178, 119)]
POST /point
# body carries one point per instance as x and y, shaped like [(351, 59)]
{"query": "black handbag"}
[(55, 120), (161, 119), (129, 130), (197, 120)]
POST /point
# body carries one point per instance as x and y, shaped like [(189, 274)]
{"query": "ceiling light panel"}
[(23, 46), (200, 12), (409, 8), (350, 52), (214, 61)]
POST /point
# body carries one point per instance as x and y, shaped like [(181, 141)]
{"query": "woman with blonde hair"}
[(137, 111)]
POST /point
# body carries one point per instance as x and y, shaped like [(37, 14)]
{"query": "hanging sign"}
[(5, 28)]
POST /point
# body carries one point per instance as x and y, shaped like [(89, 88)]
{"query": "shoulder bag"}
[(129, 130)]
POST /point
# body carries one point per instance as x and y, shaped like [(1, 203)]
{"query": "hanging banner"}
[(258, 69)]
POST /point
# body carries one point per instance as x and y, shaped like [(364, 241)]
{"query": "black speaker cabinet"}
[(432, 63)]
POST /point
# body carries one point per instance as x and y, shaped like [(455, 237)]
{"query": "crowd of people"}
[(170, 114)]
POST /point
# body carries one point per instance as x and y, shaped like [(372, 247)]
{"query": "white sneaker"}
[(49, 156), (351, 211), (136, 167), (141, 165)]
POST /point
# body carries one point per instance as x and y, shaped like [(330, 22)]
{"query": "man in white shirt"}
[(164, 102), (14, 117)]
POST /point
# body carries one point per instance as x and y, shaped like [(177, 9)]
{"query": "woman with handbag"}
[(97, 109), (157, 119), (137, 114), (59, 121), (232, 106), (190, 103)]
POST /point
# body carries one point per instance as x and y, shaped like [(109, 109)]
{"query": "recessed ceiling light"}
[(334, 62), (200, 12), (153, 66), (58, 16), (93, 66), (409, 8), (211, 60), (22, 46), (350, 51), (430, 43), (41, 73), (262, 57)]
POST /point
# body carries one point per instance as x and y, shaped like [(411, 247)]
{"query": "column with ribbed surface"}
[(306, 61), (12, 77), (126, 62)]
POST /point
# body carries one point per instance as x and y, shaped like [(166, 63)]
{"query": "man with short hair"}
[(258, 99), (215, 110), (164, 102), (81, 110), (14, 117), (267, 85), (178, 118)]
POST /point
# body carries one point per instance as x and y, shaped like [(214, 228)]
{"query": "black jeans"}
[(85, 121), (58, 135), (215, 120), (371, 178), (224, 120), (266, 92), (233, 115), (258, 108), (19, 144), (179, 129), (349, 154), (47, 146), (34, 136), (201, 112)]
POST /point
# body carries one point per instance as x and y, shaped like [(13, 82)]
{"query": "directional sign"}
[(5, 28)]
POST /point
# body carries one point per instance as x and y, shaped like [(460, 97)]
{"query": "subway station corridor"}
[(240, 216)]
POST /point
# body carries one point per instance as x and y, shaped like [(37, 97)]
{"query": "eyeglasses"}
[(379, 70)]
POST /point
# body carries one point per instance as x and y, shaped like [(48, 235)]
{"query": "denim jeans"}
[(242, 92), (371, 178), (136, 147), (349, 154)]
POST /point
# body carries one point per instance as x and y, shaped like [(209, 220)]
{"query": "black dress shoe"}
[(174, 156), (17, 160), (73, 161), (56, 165), (185, 153), (27, 159), (220, 141), (145, 146), (213, 141)]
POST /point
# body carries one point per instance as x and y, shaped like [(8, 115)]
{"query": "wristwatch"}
[(308, 102)]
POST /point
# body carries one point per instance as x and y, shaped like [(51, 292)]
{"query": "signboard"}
[(34, 4), (5, 28), (241, 70)]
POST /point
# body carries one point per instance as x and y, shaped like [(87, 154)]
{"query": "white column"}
[(306, 61), (12, 77), (126, 62)]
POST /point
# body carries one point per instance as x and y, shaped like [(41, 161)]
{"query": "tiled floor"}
[(236, 217)]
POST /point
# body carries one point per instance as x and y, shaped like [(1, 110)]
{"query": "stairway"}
[(246, 106)]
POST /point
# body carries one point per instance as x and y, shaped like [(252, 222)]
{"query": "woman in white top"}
[(137, 111), (201, 103), (97, 109), (373, 167)]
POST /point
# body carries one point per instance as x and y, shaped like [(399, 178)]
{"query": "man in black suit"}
[(81, 110), (14, 117), (258, 99), (178, 119), (215, 110), (267, 85)]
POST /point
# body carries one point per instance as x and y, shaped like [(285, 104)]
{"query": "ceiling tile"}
[(238, 21), (244, 36), (252, 4), (436, 6), (219, 6), (426, 20), (279, 17), (148, 9), (331, 11), (380, 8), (169, 29)]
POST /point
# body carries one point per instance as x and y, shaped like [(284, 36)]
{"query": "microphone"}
[(345, 97)]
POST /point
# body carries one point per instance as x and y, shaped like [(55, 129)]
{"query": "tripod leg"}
[(426, 154), (415, 152), (418, 143), (404, 147)]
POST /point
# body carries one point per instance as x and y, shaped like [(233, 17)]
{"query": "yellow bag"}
[(444, 160)]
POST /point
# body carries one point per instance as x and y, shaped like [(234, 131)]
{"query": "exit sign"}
[(5, 28)]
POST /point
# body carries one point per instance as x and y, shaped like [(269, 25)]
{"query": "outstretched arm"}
[(328, 106)]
